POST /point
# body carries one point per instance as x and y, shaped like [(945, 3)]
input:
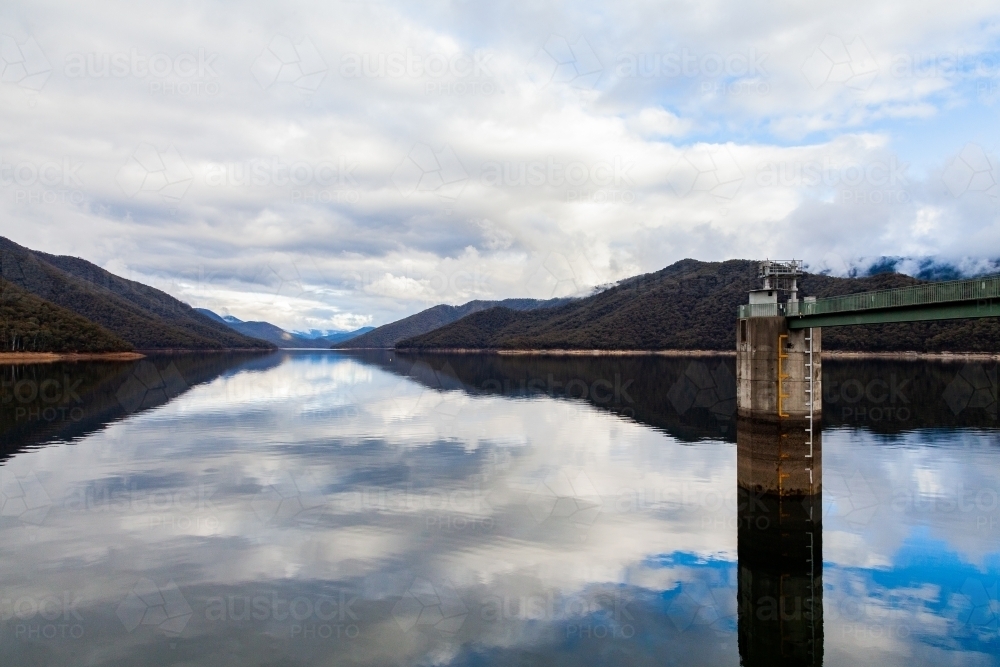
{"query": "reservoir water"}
[(321, 508)]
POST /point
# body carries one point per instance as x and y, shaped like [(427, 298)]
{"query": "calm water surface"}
[(382, 509)]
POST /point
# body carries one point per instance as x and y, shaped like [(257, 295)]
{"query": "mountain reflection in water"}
[(379, 508), (40, 403)]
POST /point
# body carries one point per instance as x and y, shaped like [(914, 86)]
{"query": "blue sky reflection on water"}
[(323, 509)]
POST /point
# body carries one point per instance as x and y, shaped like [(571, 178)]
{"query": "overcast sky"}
[(338, 164)]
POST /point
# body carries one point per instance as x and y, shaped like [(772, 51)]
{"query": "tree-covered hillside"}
[(692, 305), (29, 323), (388, 335), (145, 317)]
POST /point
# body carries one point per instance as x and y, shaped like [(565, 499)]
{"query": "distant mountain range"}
[(923, 268), (278, 336), (687, 306), (124, 314), (388, 335), (332, 335), (341, 336), (66, 304)]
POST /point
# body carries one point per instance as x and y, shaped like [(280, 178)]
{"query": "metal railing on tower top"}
[(974, 289)]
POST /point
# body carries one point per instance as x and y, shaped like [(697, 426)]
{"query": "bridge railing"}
[(761, 310), (956, 290)]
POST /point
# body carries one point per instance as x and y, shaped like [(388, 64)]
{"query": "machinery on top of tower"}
[(777, 275)]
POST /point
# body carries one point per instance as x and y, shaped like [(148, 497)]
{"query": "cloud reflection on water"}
[(510, 526)]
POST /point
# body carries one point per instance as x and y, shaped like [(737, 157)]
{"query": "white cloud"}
[(658, 123), (297, 131)]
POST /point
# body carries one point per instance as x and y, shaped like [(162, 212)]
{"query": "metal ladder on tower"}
[(811, 399), (811, 546)]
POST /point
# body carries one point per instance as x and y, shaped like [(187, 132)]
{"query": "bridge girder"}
[(927, 312)]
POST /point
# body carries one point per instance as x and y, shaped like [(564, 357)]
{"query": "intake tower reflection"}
[(780, 543)]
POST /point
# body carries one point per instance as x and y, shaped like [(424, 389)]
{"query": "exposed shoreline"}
[(49, 357), (570, 353), (217, 350), (930, 356), (832, 354)]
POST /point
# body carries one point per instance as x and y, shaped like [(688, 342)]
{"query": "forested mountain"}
[(387, 335), (142, 316), (62, 304), (692, 305), (29, 323)]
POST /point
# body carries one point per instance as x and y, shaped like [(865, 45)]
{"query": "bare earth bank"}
[(47, 357), (833, 354)]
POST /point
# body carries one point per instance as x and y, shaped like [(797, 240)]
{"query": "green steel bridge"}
[(957, 299)]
